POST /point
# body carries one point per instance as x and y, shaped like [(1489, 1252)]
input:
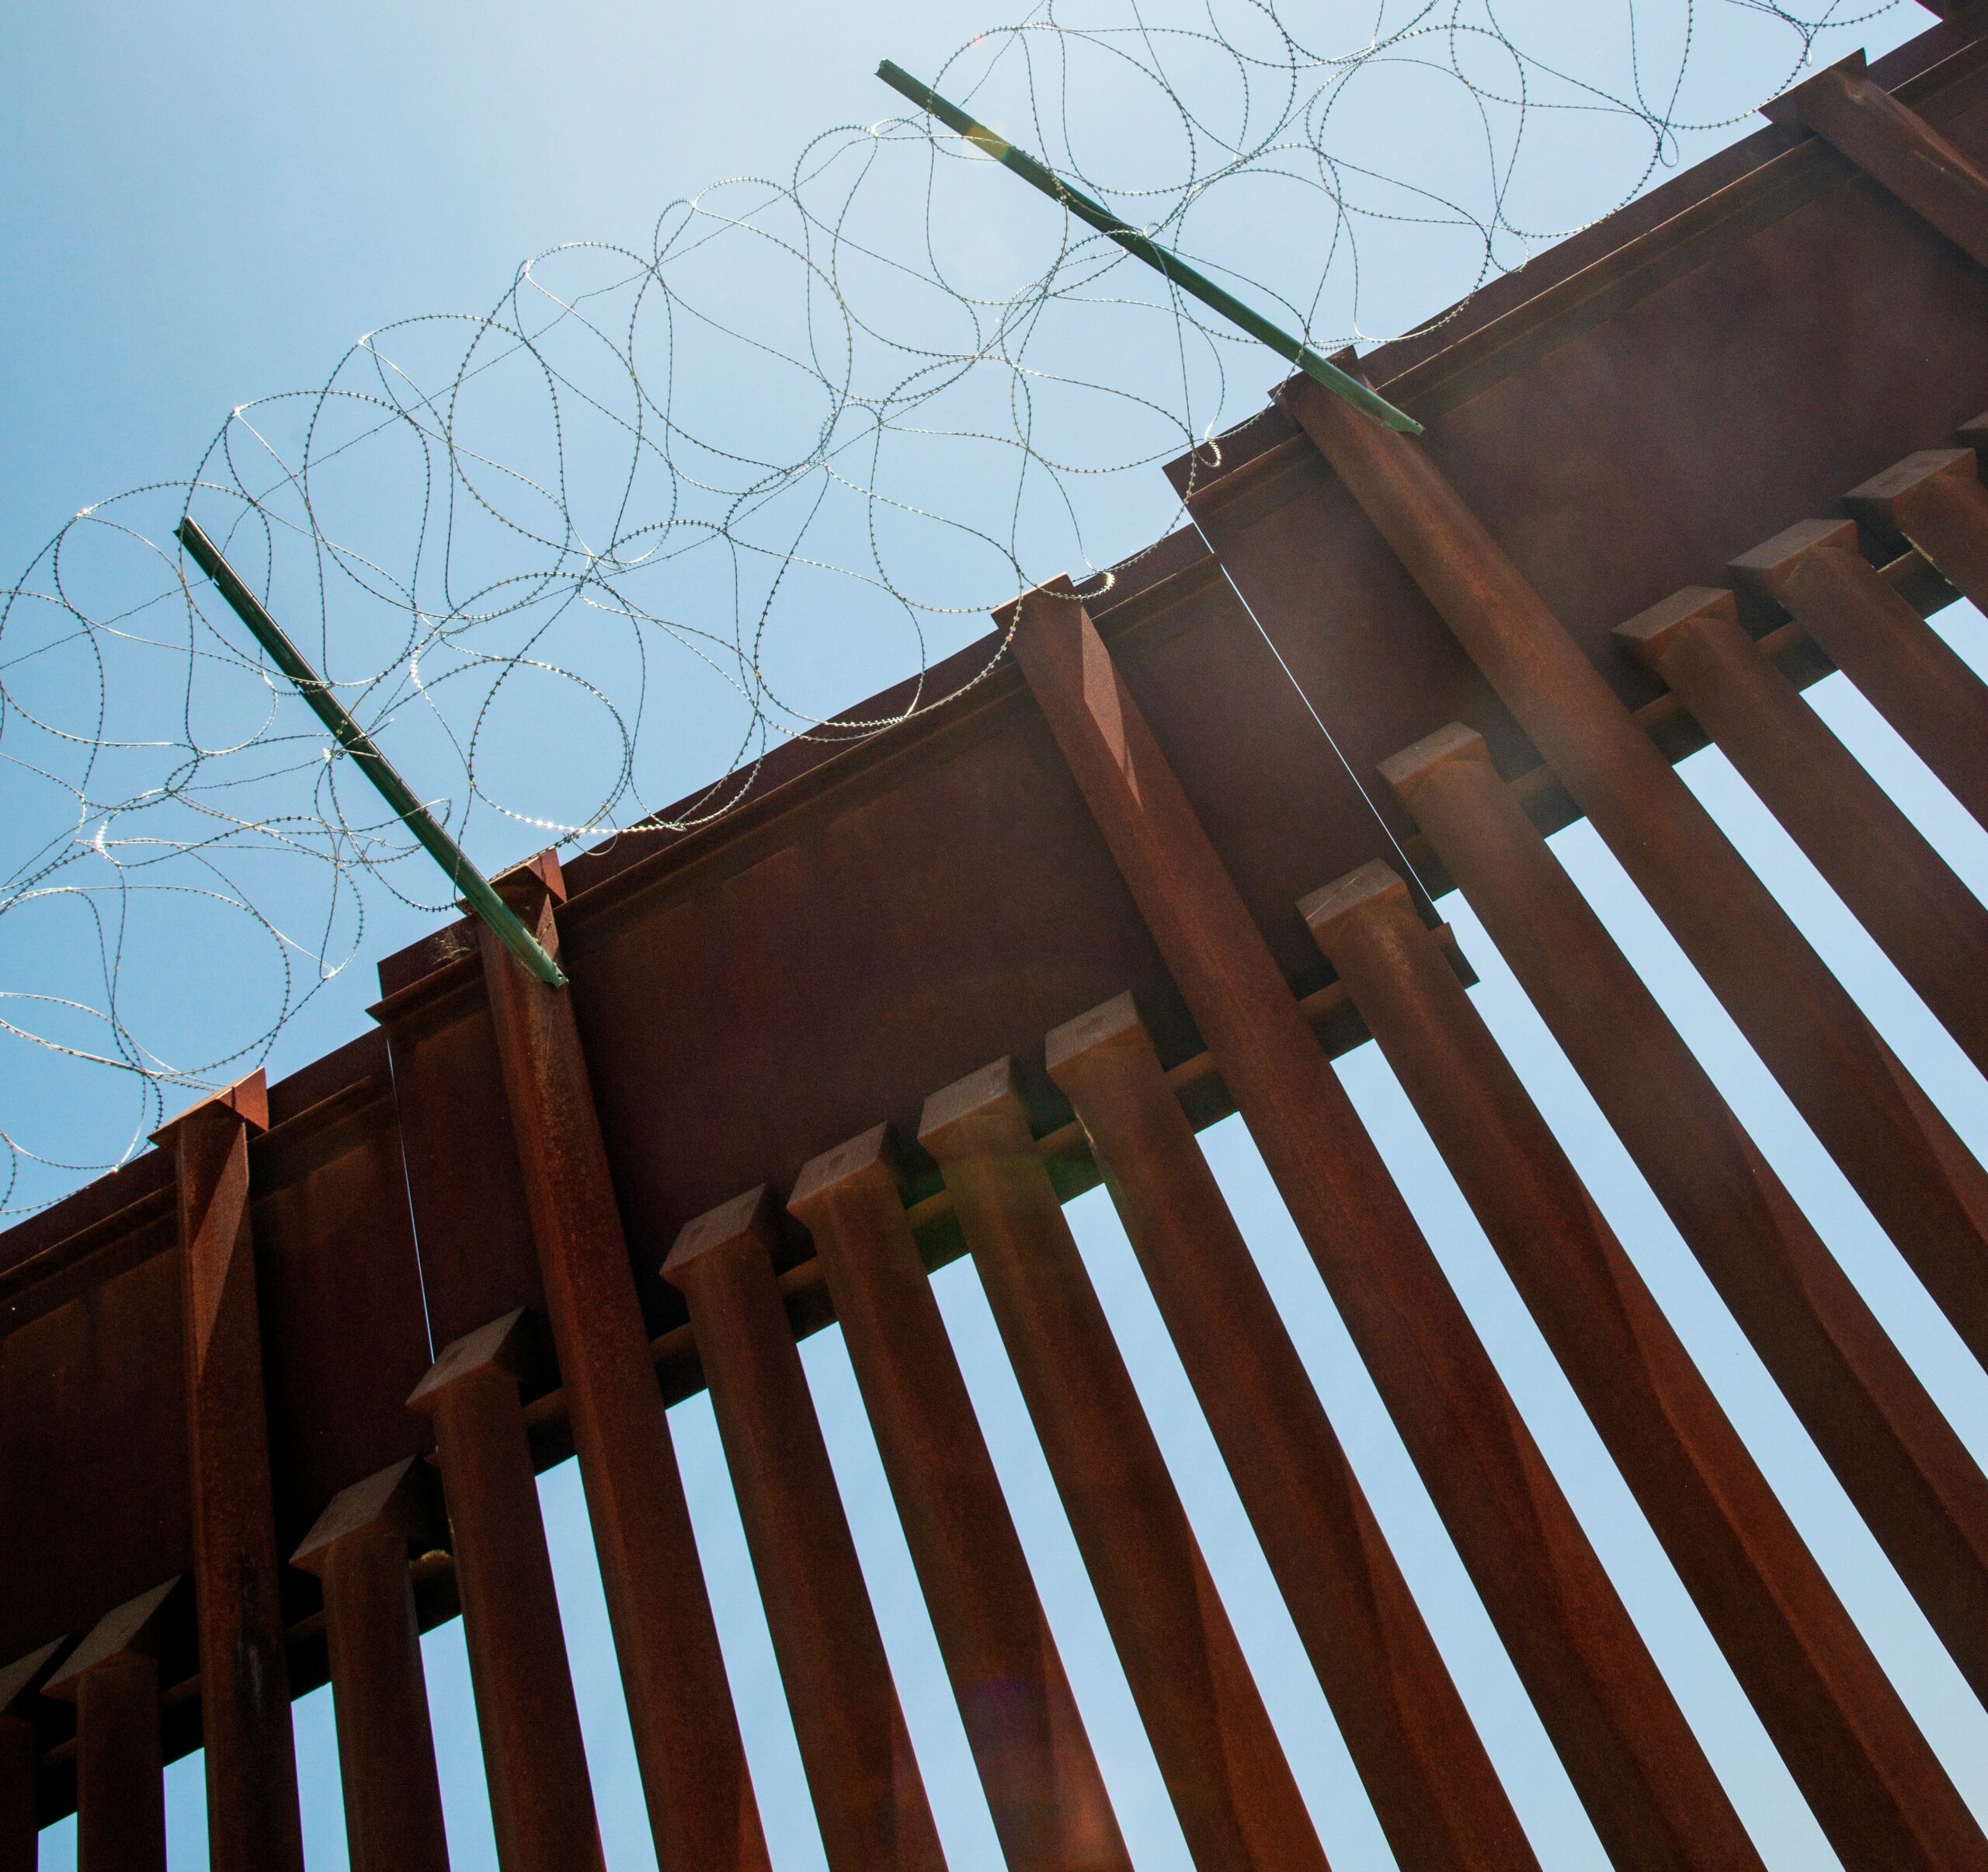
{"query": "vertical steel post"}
[(701, 1809), (1419, 1757), (1908, 1472), (1909, 674), (541, 1798), (869, 1797), (1935, 499), (1902, 1157), (1929, 923), (113, 1678), (20, 1757), (1239, 1807), (1867, 1773), (1895, 146), (253, 1821), (1647, 1786), (358, 1550), (1036, 1763)]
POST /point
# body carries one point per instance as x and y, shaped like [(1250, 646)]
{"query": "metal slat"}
[(1422, 1763), (1899, 1153), (1238, 1804), (1902, 1464), (534, 1762), (1872, 1781), (1048, 1799), (869, 1797), (1648, 1788)]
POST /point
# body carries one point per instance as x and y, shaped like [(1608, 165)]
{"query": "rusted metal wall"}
[(1728, 356)]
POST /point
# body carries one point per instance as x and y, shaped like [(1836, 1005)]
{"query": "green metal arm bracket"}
[(374, 765), (1318, 369)]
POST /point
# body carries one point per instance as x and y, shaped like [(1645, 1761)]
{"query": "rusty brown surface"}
[(534, 1762), (1903, 666), (869, 1797), (358, 1551), (93, 1388), (1422, 1762), (701, 1809), (113, 1678), (1625, 448), (1232, 1789), (23, 1734), (253, 1820), (93, 1419), (1934, 498), (1890, 877), (1044, 1789), (1874, 1786), (695, 953), (1646, 1784), (1723, 358), (1894, 147), (120, 1788), (1898, 1151), (1901, 1462), (463, 1184), (331, 1221)]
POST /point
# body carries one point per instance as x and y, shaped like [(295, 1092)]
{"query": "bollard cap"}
[(508, 1345), (247, 1100), (1768, 569), (399, 1498), (1877, 502), (860, 1159), (974, 1111), (151, 1625), (744, 1225), (1373, 882), (1456, 742), (1648, 631), (1115, 1022), (1786, 111), (21, 1682)]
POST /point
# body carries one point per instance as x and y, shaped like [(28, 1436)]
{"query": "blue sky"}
[(211, 209), (211, 204)]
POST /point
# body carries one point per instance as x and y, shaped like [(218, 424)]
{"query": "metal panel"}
[(93, 1492)]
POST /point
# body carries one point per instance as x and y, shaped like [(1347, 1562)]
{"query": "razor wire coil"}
[(553, 525)]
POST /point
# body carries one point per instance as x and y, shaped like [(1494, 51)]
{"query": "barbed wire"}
[(658, 510)]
